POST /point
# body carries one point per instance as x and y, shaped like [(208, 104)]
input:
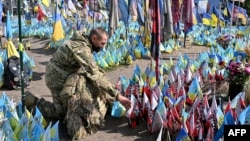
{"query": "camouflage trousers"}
[(81, 105)]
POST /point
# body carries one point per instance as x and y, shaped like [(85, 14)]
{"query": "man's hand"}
[(124, 101)]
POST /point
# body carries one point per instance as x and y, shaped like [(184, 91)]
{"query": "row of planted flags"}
[(17, 126), (118, 51), (176, 105), (163, 106)]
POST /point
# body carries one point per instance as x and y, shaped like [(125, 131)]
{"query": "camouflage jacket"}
[(76, 56)]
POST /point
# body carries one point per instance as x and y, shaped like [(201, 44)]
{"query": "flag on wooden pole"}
[(156, 35)]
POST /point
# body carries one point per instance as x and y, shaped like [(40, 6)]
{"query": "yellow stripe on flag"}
[(206, 21), (214, 18), (194, 19), (222, 23), (225, 12), (58, 33), (11, 50), (243, 18), (45, 2)]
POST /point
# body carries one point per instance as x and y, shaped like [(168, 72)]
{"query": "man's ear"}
[(93, 38)]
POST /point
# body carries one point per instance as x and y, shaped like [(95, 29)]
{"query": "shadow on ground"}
[(37, 76), (37, 40), (43, 51), (112, 125), (120, 125)]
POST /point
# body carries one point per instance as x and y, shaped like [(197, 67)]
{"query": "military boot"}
[(30, 99)]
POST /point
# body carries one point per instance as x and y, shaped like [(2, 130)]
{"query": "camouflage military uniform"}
[(80, 89)]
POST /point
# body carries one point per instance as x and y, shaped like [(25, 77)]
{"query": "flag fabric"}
[(54, 132), (228, 107), (146, 103), (219, 116), (157, 122), (217, 13), (209, 20), (155, 43), (8, 27), (242, 14), (219, 18), (161, 108), (40, 14), (154, 101), (194, 89), (183, 136), (156, 32), (114, 17), (225, 12), (36, 133), (188, 15), (27, 18), (46, 135), (140, 13), (45, 2), (23, 127), (244, 116), (26, 6), (133, 15), (118, 110), (228, 120), (123, 8), (176, 11), (39, 117), (71, 6), (197, 16), (237, 12), (10, 48), (147, 23), (191, 123), (58, 33), (167, 20)]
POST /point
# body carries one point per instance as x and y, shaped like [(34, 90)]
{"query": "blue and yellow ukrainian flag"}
[(216, 14), (194, 89), (209, 20), (183, 135), (242, 14), (58, 33)]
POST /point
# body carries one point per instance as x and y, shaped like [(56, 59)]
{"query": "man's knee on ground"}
[(76, 126)]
